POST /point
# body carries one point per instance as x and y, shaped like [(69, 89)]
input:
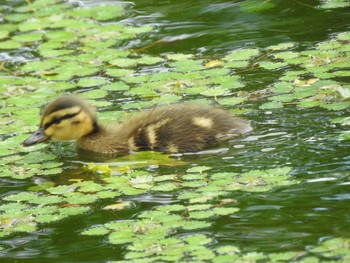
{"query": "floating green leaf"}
[(116, 72), (282, 87), (223, 211), (271, 105), (4, 34), (179, 56), (215, 91), (242, 54), (344, 36), (334, 4), (117, 86), (72, 211), (272, 65), (74, 50), (286, 55), (237, 64), (333, 247), (187, 65), (198, 169), (94, 94), (231, 100), (337, 105), (148, 60), (282, 46), (121, 237), (10, 44), (29, 37), (96, 231), (90, 82), (100, 12), (165, 187)]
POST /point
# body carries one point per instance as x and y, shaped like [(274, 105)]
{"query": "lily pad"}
[(231, 100), (90, 82), (198, 169), (334, 4), (286, 55), (187, 65), (10, 44), (28, 37), (115, 72), (271, 105), (4, 34), (95, 231), (242, 54), (100, 12), (213, 92), (282, 46), (282, 87), (344, 36), (117, 86), (272, 65), (94, 94)]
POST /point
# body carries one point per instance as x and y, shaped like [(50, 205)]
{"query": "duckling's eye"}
[(75, 122), (56, 120)]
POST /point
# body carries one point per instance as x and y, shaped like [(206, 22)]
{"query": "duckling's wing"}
[(184, 128)]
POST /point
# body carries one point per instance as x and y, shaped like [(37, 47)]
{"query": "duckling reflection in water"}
[(174, 128)]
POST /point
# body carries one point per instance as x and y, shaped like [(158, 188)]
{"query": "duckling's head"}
[(66, 118)]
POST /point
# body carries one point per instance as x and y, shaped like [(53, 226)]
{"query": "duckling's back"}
[(182, 128)]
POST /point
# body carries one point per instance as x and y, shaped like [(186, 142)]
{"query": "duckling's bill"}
[(38, 136)]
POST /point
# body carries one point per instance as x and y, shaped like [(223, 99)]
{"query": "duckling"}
[(174, 128)]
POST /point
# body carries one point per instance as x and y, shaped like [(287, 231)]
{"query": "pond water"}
[(292, 194)]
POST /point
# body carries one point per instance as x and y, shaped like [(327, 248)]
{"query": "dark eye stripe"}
[(57, 120)]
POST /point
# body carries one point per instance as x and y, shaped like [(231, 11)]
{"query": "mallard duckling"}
[(173, 128)]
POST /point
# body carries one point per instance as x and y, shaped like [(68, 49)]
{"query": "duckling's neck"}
[(105, 139)]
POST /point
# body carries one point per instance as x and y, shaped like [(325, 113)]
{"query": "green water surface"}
[(285, 223)]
